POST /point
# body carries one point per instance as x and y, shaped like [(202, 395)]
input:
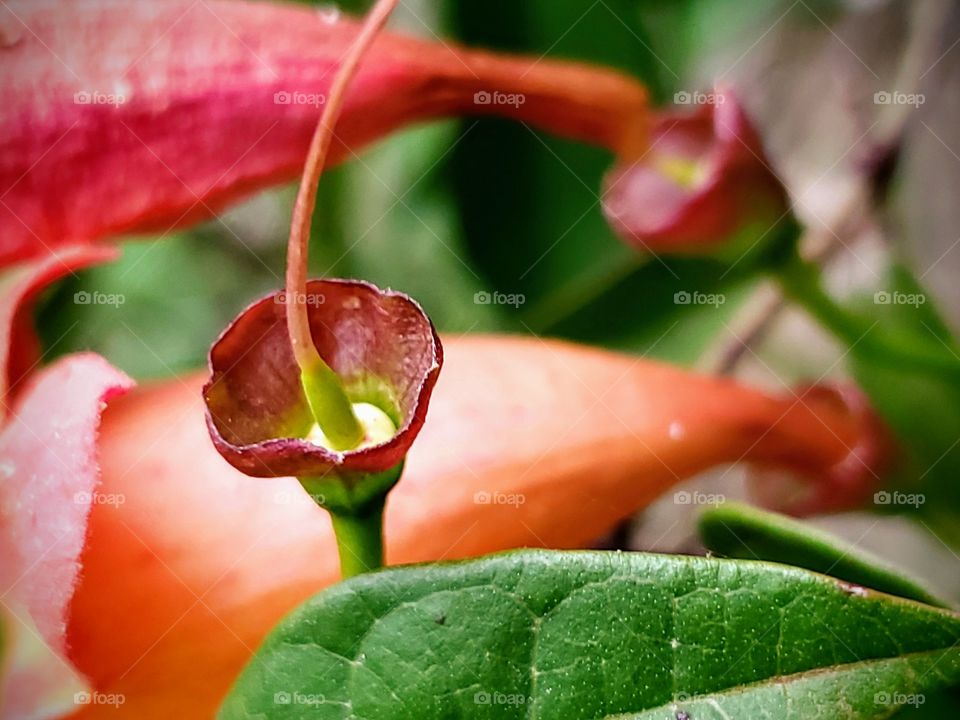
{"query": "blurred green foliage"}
[(922, 409)]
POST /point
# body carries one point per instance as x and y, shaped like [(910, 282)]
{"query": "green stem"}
[(329, 403), (331, 406), (802, 282), (359, 540)]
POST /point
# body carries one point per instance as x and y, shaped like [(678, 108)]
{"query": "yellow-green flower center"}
[(377, 427)]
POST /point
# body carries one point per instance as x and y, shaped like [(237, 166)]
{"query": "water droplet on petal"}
[(329, 13)]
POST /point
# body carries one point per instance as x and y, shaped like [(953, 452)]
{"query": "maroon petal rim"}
[(853, 479), (654, 212), (381, 344)]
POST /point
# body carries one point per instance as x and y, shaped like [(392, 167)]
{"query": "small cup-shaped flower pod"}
[(703, 186), (385, 353)]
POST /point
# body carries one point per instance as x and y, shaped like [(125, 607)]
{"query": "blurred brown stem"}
[(767, 303)]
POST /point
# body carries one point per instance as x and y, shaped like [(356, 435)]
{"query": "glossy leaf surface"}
[(594, 635), (741, 531)]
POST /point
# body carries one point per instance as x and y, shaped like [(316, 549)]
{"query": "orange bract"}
[(182, 581)]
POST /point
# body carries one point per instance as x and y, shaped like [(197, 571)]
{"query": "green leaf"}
[(923, 409), (829, 693), (742, 531), (579, 635), (938, 704)]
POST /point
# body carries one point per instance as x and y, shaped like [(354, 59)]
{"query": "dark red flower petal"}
[(850, 480), (380, 343), (729, 183)]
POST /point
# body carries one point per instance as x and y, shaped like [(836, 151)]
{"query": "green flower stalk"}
[(328, 381)]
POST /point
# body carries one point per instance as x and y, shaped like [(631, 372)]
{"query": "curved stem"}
[(359, 540), (764, 308), (760, 317), (328, 401)]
